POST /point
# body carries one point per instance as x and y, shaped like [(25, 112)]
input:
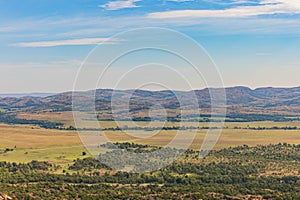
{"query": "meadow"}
[(24, 143)]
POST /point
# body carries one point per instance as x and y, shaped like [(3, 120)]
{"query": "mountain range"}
[(240, 100)]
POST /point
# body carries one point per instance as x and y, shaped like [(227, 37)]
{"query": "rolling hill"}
[(240, 101)]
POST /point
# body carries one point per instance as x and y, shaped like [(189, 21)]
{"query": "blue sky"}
[(254, 43)]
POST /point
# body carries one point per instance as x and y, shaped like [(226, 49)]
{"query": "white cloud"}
[(121, 4), (83, 41), (265, 7), (234, 2)]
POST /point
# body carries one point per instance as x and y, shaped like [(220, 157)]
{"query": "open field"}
[(61, 146), (33, 143), (229, 137), (67, 119)]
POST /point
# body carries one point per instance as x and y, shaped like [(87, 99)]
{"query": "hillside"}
[(240, 101)]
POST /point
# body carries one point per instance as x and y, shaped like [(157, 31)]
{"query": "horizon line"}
[(226, 87)]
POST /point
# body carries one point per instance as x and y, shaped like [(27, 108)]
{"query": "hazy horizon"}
[(58, 92)]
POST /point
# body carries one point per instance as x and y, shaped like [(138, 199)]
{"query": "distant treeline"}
[(138, 128), (212, 118), (10, 118), (270, 128)]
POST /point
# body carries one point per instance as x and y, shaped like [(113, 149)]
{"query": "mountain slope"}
[(285, 101)]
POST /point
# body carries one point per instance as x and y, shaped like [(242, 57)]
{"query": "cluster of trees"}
[(87, 164), (25, 167), (130, 146), (225, 174)]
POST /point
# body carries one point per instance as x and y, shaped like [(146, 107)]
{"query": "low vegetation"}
[(260, 172)]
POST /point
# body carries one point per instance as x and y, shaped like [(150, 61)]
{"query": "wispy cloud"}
[(117, 5), (62, 28), (83, 41), (233, 2), (264, 7), (180, 0)]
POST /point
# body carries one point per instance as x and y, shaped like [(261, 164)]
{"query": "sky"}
[(43, 43)]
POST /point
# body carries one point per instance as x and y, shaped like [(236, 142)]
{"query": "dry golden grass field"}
[(61, 146)]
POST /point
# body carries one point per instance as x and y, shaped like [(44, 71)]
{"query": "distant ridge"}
[(240, 100), (20, 95)]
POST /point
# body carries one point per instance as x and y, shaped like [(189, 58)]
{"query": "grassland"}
[(67, 119), (29, 142)]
